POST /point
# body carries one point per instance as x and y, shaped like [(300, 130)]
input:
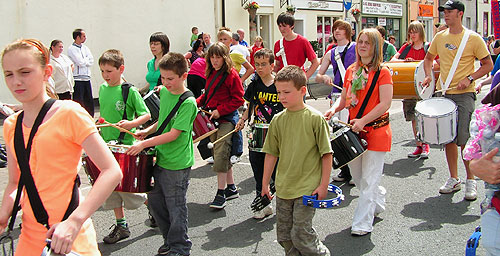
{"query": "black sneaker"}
[(119, 232), (150, 221), (231, 194), (163, 250), (219, 202), (3, 163)]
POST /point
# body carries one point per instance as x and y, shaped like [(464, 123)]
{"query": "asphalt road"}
[(417, 221)]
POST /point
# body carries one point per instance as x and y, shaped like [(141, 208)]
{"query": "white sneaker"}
[(351, 182), (268, 210), (451, 185), (235, 159), (470, 190), (210, 160)]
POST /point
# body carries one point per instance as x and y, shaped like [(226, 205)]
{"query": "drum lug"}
[(363, 141)]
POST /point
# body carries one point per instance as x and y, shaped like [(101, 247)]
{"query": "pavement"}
[(417, 221)]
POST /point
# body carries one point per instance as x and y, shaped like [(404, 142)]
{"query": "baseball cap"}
[(452, 4)]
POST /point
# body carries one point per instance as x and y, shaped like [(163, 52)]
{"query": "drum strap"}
[(368, 95), (282, 53), (26, 179), (456, 60), (170, 115), (125, 90), (408, 48), (340, 62)]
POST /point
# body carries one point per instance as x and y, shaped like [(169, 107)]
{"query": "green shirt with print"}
[(112, 107), (299, 139), (177, 154)]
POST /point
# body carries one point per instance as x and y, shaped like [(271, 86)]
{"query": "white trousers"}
[(366, 172)]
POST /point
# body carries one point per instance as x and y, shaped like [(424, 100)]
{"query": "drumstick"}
[(211, 145), (102, 125), (336, 86), (444, 90), (205, 135), (346, 124), (119, 146), (101, 120), (204, 111)]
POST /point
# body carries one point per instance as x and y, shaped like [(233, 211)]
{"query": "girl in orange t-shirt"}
[(55, 155), (367, 169)]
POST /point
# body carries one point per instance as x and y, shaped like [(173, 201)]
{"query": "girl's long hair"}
[(221, 50), (377, 43)]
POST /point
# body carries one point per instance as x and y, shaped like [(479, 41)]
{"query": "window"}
[(485, 24), (324, 31), (262, 28), (467, 22)]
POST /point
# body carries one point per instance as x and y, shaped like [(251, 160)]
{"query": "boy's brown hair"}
[(112, 57), (292, 73), (174, 62), (264, 53)]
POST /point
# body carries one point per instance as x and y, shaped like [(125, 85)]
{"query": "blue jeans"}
[(237, 147), (167, 202)]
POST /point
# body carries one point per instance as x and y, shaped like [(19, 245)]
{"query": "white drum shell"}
[(436, 120)]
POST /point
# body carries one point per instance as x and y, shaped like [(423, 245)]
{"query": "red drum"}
[(202, 127), (137, 170)]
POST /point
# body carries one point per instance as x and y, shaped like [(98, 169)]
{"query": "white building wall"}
[(124, 25)]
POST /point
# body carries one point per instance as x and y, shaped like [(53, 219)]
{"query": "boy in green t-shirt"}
[(112, 107), (174, 157), (194, 36), (299, 136)]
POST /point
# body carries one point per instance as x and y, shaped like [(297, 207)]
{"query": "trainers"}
[(415, 153), (119, 232), (351, 182), (163, 250), (425, 151), (268, 210), (219, 202), (470, 190), (231, 194), (210, 160), (235, 159), (338, 178), (451, 185), (359, 232)]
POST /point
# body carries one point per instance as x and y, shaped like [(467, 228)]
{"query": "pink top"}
[(198, 67)]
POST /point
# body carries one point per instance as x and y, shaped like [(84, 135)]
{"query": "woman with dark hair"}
[(63, 70), (159, 45), (196, 52)]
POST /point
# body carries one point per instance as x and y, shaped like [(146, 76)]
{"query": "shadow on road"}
[(436, 211), (343, 243), (108, 249), (202, 214), (406, 167), (240, 235), (204, 171)]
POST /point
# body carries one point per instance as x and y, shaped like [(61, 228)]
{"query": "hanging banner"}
[(495, 18)]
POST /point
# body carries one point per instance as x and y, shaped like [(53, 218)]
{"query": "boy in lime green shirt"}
[(299, 172), (174, 156), (112, 107)]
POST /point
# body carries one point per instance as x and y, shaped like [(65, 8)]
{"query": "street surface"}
[(417, 221)]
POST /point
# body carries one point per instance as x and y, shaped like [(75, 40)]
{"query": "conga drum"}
[(407, 78)]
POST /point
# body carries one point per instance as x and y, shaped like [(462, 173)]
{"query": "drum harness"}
[(125, 90), (382, 120), (26, 179), (408, 48)]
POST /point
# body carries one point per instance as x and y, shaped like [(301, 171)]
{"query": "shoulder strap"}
[(405, 52), (368, 95), (205, 95), (385, 49), (282, 53), (170, 115), (426, 46), (221, 81), (23, 155), (125, 91), (456, 60)]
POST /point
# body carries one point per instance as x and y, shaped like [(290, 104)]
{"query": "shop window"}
[(392, 27), (324, 31)]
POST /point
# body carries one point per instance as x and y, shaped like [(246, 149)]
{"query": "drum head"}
[(419, 79), (438, 106)]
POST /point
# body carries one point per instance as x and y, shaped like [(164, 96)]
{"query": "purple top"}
[(350, 57), (495, 80)]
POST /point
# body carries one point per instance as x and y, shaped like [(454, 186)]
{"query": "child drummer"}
[(174, 158), (263, 100), (111, 101)]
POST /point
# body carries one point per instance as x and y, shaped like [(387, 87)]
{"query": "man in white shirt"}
[(237, 47), (83, 60)]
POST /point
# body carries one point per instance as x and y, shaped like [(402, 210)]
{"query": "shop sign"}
[(326, 5), (425, 10), (380, 8), (382, 21)]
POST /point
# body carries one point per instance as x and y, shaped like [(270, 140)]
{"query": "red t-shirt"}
[(378, 139), (228, 97), (252, 53), (414, 54), (296, 51)]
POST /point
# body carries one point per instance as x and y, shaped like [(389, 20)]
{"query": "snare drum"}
[(137, 170), (436, 120), (407, 78), (153, 103), (346, 146), (203, 127), (257, 136)]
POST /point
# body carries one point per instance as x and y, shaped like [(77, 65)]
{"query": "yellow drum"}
[(407, 78)]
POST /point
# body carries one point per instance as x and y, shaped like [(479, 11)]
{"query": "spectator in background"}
[(388, 49), (257, 45), (207, 41), (392, 40), (241, 33), (196, 52), (63, 70), (194, 35), (331, 43), (159, 45)]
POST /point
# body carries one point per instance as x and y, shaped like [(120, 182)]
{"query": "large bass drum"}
[(407, 78)]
